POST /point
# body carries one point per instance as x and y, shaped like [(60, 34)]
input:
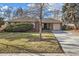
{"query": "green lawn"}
[(28, 42)]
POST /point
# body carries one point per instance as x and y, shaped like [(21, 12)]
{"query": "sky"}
[(25, 5), (5, 6), (13, 4)]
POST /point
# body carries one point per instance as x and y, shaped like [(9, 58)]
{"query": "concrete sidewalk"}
[(68, 41)]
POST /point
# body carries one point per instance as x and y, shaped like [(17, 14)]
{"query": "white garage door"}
[(56, 26)]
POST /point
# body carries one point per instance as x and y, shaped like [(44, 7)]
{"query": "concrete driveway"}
[(68, 41)]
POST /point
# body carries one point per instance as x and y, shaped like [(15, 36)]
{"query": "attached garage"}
[(56, 26)]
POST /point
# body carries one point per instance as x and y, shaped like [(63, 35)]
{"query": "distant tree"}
[(7, 12), (19, 12), (56, 14)]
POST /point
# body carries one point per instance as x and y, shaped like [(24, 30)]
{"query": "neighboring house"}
[(47, 24)]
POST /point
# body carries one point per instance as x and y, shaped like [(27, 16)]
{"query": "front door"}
[(46, 26)]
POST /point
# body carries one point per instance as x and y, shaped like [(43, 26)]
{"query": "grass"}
[(28, 42)]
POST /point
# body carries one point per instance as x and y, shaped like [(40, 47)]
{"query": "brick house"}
[(47, 24)]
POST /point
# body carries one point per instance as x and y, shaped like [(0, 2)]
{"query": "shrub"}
[(19, 28), (66, 27)]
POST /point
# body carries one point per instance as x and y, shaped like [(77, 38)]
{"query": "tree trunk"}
[(40, 30), (41, 16)]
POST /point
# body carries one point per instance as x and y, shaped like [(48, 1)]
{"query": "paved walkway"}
[(68, 41)]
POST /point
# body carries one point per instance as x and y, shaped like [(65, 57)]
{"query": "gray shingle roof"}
[(30, 19)]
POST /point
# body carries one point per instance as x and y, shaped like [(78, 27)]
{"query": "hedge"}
[(19, 28)]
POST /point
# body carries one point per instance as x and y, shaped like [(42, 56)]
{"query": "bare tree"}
[(36, 11), (40, 11), (19, 11), (56, 14), (7, 12)]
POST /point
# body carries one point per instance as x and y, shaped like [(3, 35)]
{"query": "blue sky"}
[(13, 4), (4, 6), (25, 5), (17, 5)]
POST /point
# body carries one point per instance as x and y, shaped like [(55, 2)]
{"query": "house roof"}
[(30, 19)]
